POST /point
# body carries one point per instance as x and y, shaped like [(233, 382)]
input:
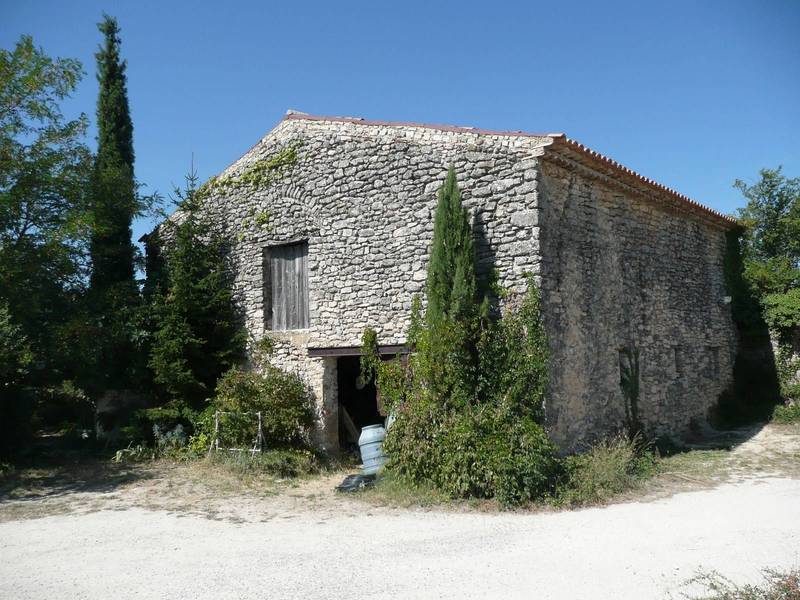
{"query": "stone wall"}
[(619, 271), (363, 197)]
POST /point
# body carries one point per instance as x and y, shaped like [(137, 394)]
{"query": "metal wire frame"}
[(258, 443)]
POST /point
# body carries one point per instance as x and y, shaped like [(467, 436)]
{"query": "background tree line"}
[(75, 325)]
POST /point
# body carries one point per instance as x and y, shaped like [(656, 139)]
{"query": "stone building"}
[(331, 220)]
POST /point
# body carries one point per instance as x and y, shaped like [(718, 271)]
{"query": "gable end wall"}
[(364, 198)]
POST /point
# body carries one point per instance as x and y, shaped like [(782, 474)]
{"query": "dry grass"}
[(776, 585), (221, 490)]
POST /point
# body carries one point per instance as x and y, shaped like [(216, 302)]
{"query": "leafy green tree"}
[(770, 248), (44, 172), (113, 291), (771, 245), (197, 334)]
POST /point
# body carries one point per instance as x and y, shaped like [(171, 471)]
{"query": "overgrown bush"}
[(286, 407), (605, 470)]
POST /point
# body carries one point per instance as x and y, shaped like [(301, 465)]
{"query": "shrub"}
[(286, 407), (64, 403), (487, 454), (480, 452), (481, 437), (605, 470), (199, 443), (786, 413)]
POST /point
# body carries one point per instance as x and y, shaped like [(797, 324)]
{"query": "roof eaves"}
[(561, 141)]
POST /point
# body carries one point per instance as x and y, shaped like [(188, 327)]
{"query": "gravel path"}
[(634, 550)]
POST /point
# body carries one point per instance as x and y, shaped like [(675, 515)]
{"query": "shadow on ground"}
[(54, 468), (709, 438)]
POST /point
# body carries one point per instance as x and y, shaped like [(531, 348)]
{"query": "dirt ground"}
[(91, 529)]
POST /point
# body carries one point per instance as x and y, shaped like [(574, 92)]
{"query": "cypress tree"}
[(449, 347), (113, 291), (452, 282)]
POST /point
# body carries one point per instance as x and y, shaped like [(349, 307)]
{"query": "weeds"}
[(392, 489), (786, 413), (134, 453), (281, 463), (776, 586), (609, 468)]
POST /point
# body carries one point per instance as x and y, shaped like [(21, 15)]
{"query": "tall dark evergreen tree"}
[(197, 334), (453, 312), (452, 283), (113, 291)]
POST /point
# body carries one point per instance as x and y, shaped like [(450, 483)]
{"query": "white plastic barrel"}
[(370, 442)]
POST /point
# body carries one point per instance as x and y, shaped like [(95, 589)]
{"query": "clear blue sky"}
[(692, 94)]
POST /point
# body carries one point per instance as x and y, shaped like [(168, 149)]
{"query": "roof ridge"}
[(294, 115), (560, 139)]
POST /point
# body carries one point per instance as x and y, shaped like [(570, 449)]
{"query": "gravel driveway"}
[(631, 550)]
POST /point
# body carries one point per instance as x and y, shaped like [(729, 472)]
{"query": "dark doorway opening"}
[(358, 403)]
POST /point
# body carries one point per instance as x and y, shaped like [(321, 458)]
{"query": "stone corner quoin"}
[(622, 261)]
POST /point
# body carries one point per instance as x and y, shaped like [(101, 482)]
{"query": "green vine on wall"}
[(629, 382), (390, 376), (258, 175), (370, 356)]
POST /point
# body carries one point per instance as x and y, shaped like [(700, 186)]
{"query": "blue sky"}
[(692, 94)]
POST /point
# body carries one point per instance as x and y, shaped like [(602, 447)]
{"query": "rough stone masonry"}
[(623, 262)]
